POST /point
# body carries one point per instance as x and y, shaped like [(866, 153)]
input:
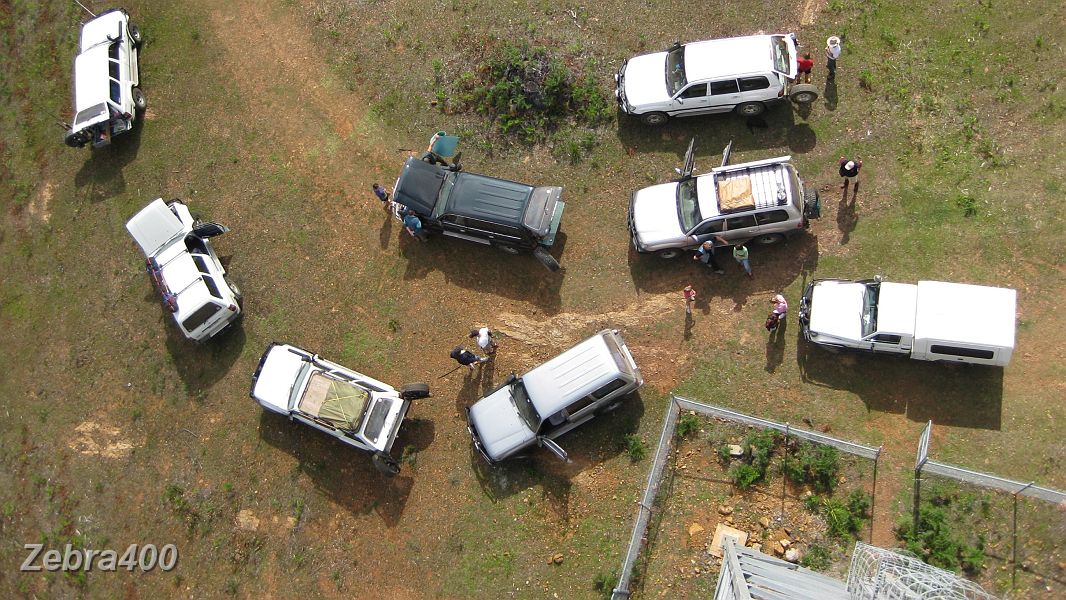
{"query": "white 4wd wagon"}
[(107, 96), (567, 391), (185, 269), (739, 74), (357, 410)]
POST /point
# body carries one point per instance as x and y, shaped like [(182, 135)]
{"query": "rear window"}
[(376, 420), (773, 216), (116, 92), (748, 84), (90, 113), (198, 318), (959, 351)]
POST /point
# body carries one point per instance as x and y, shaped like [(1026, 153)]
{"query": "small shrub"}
[(936, 543), (866, 80), (603, 583), (817, 558), (816, 464), (845, 519), (687, 425), (744, 475), (723, 453), (812, 503), (635, 447)]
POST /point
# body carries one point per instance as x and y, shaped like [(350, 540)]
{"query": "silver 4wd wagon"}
[(514, 217), (567, 391), (763, 202), (185, 269), (739, 74), (107, 96), (357, 410)]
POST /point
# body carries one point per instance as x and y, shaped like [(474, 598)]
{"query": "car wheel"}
[(508, 249), (750, 109), (414, 391), (812, 203), (669, 253), (236, 292), (546, 258), (386, 464), (654, 118), (139, 100), (804, 93), (768, 239), (135, 35), (76, 139)]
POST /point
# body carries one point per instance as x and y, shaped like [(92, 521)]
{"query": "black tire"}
[(804, 93), (414, 391), (768, 239), (546, 258), (139, 101), (750, 109), (812, 203), (508, 249), (654, 118), (135, 35), (76, 139), (237, 295), (669, 253), (386, 464)]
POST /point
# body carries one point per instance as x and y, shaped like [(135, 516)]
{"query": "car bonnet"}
[(273, 388), (655, 214), (499, 426), (645, 80)]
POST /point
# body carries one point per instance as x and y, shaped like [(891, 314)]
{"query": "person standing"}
[(832, 53), (690, 298), (804, 66), (485, 340), (413, 225), (780, 305), (467, 358), (705, 254), (849, 169), (382, 195), (740, 254)]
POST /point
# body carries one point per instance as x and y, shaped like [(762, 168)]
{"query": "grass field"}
[(274, 118)]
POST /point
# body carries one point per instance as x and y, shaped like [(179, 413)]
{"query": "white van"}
[(107, 93), (567, 391), (185, 269)]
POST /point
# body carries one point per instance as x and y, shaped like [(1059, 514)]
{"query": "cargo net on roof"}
[(879, 574)]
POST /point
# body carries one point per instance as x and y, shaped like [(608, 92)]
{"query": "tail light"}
[(233, 307)]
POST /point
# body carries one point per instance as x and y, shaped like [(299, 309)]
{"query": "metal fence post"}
[(1014, 538), (923, 455), (873, 495)]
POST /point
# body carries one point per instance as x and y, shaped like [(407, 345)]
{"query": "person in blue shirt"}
[(413, 225), (705, 253)]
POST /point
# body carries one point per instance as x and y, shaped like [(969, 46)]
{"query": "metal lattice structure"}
[(879, 574)]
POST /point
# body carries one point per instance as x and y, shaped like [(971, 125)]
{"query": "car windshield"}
[(688, 204), (445, 192), (675, 70), (93, 112), (782, 59), (869, 310), (522, 403)]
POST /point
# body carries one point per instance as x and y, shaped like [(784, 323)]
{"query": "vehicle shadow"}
[(343, 473), (100, 177), (587, 446), (775, 128), (520, 277), (200, 365), (774, 269), (948, 394)]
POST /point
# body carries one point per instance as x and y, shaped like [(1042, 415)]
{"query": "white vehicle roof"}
[(729, 57), (836, 309), (766, 180), (273, 387), (102, 28), (91, 78), (155, 226), (975, 314), (896, 307), (571, 375)]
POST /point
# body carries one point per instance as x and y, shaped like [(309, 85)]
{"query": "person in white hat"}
[(832, 53), (849, 169)]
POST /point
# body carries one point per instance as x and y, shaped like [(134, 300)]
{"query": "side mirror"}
[(553, 448)]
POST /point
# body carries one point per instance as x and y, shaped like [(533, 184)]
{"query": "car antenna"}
[(86, 9)]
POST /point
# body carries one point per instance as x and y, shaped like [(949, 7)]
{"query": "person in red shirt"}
[(805, 65)]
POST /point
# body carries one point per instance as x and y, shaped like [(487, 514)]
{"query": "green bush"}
[(635, 447), (759, 446), (604, 584), (936, 543), (687, 425), (817, 557), (744, 475), (846, 519), (816, 464)]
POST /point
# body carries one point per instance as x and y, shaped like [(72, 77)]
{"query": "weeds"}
[(760, 446), (936, 542), (845, 519), (687, 425), (817, 558), (603, 583), (967, 203), (816, 464), (635, 447)]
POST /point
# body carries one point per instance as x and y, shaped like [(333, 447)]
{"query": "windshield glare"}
[(781, 57), (522, 404), (675, 70), (869, 310), (688, 204)]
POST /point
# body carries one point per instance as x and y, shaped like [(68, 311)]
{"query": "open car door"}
[(690, 162), (727, 152), (554, 448)]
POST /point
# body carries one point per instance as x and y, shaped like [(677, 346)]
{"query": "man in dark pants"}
[(705, 253), (466, 358)]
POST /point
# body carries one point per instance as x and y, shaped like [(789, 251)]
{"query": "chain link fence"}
[(667, 437)]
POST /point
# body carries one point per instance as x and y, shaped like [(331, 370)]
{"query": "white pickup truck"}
[(933, 320)]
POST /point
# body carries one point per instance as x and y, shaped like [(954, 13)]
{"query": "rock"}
[(784, 543), (1062, 566), (764, 522), (558, 558), (694, 529), (756, 547), (728, 519), (792, 555), (735, 450), (247, 520), (725, 509), (788, 531), (778, 550)]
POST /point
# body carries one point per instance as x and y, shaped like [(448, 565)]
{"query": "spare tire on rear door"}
[(414, 391)]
